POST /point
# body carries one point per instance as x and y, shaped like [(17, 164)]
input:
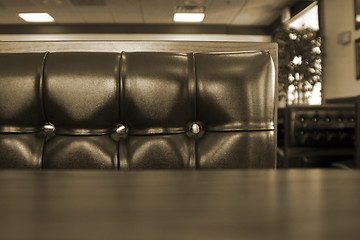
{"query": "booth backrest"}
[(328, 126), (137, 110), (319, 134), (356, 101)]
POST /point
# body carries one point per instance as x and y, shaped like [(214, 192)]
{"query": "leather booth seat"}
[(315, 136), (137, 110)]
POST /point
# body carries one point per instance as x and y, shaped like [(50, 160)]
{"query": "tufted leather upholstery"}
[(324, 126), (323, 132), (21, 111), (136, 110)]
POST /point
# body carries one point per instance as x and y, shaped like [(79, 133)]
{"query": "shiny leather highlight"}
[(158, 91), (21, 92), (82, 92), (173, 151), (81, 152), (251, 149), (21, 150), (235, 91)]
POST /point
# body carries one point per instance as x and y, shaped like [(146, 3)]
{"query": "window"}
[(301, 83)]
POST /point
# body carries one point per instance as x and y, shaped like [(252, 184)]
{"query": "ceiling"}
[(222, 12)]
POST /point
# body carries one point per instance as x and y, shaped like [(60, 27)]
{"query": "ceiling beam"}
[(295, 10), (132, 28), (300, 6)]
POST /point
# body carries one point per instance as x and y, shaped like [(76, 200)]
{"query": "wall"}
[(339, 73), (184, 37)]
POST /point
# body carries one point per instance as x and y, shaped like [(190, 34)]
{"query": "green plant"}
[(299, 62)]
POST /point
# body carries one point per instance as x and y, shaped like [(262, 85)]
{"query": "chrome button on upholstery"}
[(49, 128), (121, 129), (195, 128), (302, 119)]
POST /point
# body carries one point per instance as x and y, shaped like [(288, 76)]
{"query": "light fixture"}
[(189, 17), (189, 13), (357, 18), (36, 17)]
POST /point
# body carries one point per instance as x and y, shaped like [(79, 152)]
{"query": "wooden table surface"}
[(232, 204)]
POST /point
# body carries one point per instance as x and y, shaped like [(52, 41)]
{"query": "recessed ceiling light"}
[(36, 17), (189, 17)]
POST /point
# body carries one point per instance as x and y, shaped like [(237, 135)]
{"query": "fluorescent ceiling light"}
[(36, 17), (189, 17)]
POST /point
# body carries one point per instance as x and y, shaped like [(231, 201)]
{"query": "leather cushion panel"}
[(81, 152), (82, 92), (21, 150), (158, 91), (235, 91), (174, 151), (21, 92), (254, 149)]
